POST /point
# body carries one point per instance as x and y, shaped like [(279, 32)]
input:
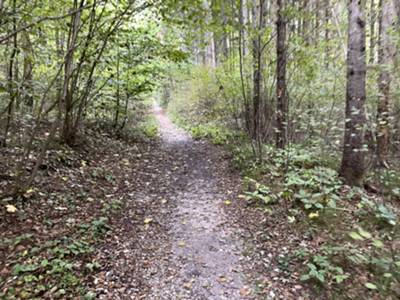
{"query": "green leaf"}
[(304, 277), (355, 236), (340, 278), (371, 286), (364, 233), (377, 243)]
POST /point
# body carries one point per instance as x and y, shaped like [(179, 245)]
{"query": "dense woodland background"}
[(303, 94)]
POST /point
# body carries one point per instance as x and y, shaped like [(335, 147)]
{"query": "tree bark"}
[(327, 31), (11, 79), (372, 32), (353, 167), (385, 59), (27, 77), (281, 89), (67, 93), (317, 22), (305, 26), (258, 11)]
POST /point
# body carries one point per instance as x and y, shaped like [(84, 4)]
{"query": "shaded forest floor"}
[(155, 219), (169, 217)]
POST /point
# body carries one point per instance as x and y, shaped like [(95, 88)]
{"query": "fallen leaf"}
[(228, 202), (187, 285), (222, 279), (11, 208), (181, 244), (148, 220), (244, 291)]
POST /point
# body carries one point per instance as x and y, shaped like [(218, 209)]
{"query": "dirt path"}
[(205, 254), (173, 239)]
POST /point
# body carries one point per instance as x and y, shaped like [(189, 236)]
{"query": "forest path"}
[(205, 256), (177, 236)]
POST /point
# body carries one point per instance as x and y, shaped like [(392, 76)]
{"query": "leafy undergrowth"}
[(49, 235), (340, 242)]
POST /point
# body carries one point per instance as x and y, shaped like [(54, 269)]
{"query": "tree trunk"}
[(67, 93), (317, 21), (281, 90), (305, 27), (327, 31), (241, 47), (27, 80), (372, 32), (258, 11), (117, 96), (385, 59), (353, 168), (11, 79)]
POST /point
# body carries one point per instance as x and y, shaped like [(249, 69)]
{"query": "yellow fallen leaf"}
[(228, 202), (11, 208), (163, 201), (181, 244), (187, 285), (126, 162), (29, 191), (148, 220), (313, 215)]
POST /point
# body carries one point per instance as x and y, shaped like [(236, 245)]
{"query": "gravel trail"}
[(205, 257), (174, 238)]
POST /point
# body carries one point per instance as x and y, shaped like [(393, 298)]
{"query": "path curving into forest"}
[(205, 255), (176, 237)]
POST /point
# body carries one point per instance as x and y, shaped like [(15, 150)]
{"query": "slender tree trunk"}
[(305, 27), (27, 80), (258, 12), (281, 89), (224, 43), (67, 93), (117, 96), (372, 32), (353, 167), (327, 31), (317, 21), (11, 80), (241, 48), (385, 59)]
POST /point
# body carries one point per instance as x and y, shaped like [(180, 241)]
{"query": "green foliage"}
[(316, 188), (328, 264), (98, 227), (259, 192), (373, 211), (147, 129), (217, 135), (322, 270), (53, 266)]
